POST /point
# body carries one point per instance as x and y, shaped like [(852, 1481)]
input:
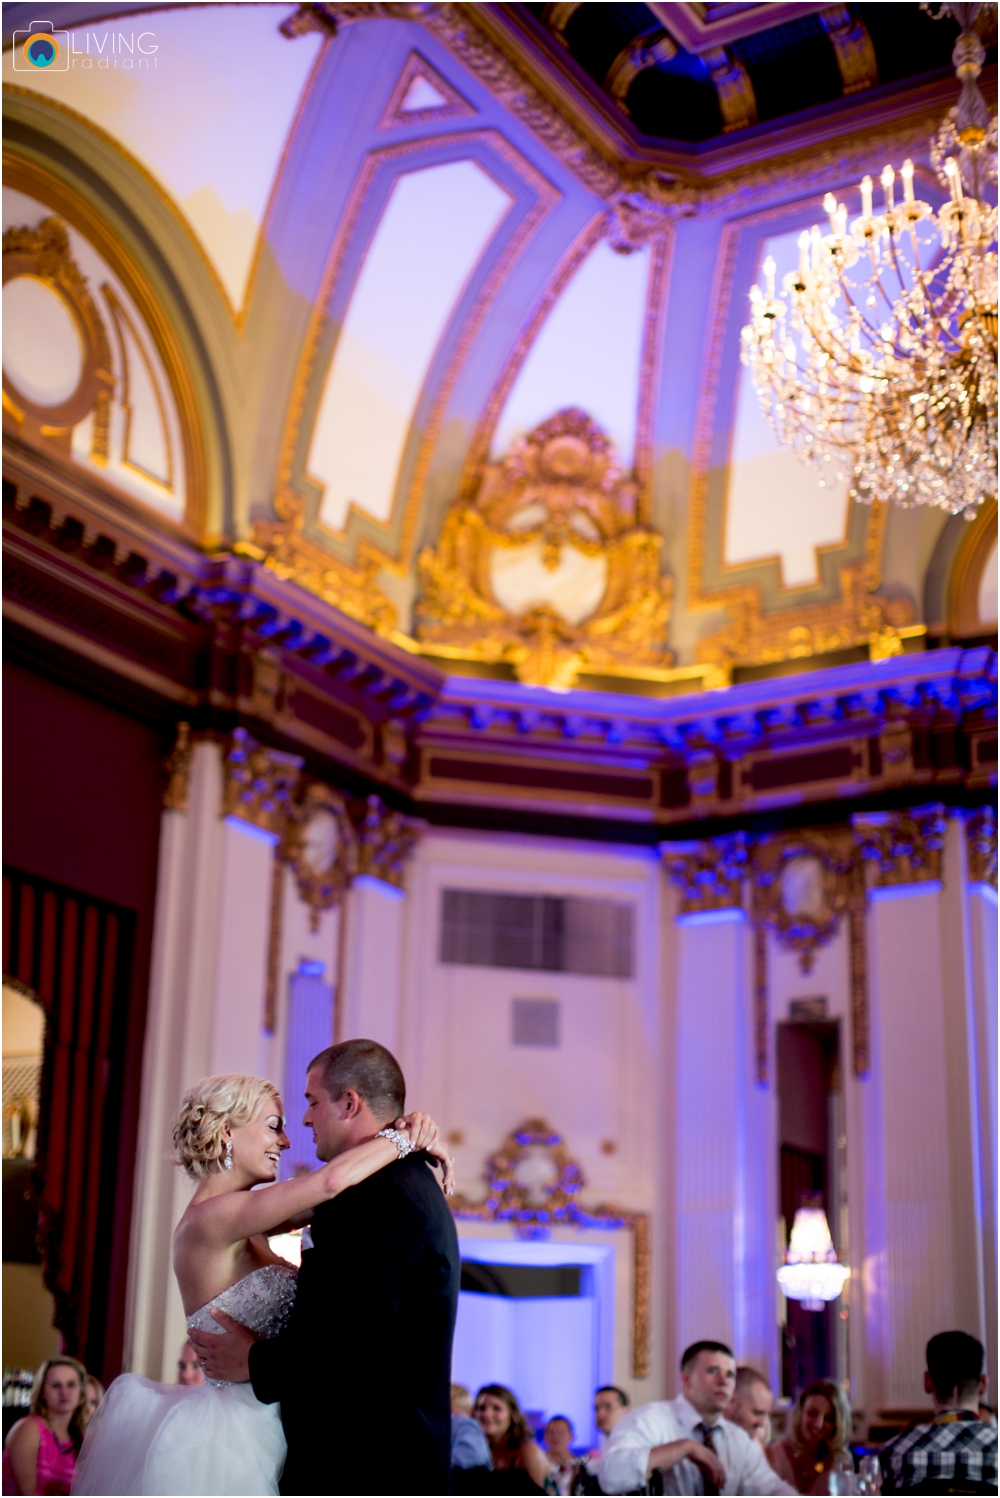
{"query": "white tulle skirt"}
[(168, 1439)]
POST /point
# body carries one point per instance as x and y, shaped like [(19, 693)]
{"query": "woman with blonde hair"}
[(215, 1437), (40, 1451), (819, 1442)]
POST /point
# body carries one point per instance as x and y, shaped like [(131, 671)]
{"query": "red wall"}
[(82, 799)]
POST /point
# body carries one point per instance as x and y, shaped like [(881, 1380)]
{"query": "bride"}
[(215, 1438)]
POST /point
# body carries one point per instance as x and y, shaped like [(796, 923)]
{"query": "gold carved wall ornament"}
[(710, 877), (548, 567), (386, 842), (321, 847), (803, 884), (981, 843), (902, 847), (534, 1183), (177, 767), (259, 782), (43, 255)]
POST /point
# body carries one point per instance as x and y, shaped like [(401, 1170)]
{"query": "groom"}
[(362, 1372)]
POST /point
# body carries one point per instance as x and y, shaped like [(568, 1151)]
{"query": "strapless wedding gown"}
[(213, 1438)]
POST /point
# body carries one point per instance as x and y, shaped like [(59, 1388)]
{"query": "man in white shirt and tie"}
[(687, 1439)]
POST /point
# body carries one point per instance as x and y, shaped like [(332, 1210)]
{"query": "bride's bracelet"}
[(404, 1144)]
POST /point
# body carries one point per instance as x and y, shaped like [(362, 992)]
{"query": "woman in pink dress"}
[(41, 1450)]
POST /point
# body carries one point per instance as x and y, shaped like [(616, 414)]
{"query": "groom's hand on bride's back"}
[(225, 1357), (424, 1133)]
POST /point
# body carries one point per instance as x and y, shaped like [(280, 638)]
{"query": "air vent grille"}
[(543, 933)]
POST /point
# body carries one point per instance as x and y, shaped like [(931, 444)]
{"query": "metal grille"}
[(535, 1022), (482, 928)]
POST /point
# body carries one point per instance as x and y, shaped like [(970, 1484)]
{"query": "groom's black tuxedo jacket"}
[(363, 1370)]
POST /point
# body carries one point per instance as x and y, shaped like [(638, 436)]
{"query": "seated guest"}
[(688, 1440), (819, 1441), (40, 1451), (558, 1434), (94, 1394), (610, 1404), (955, 1452), (189, 1369), (470, 1450), (519, 1463), (750, 1406)]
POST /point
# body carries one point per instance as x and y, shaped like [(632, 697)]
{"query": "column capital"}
[(259, 782), (981, 841), (904, 847), (710, 874), (387, 840)]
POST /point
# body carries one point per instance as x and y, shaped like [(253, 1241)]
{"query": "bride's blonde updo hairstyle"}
[(211, 1106)]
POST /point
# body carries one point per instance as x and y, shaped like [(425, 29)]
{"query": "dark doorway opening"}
[(812, 1160)]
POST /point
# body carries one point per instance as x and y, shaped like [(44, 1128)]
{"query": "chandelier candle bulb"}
[(803, 252), (866, 197), (907, 175), (769, 268), (888, 178), (954, 179), (830, 209)]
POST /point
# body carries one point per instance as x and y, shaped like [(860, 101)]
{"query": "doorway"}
[(812, 1173), (539, 1318)]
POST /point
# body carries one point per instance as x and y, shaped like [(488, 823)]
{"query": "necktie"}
[(705, 1431)]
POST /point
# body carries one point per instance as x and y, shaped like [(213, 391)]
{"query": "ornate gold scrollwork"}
[(548, 568), (904, 846), (711, 877), (284, 547), (321, 846), (259, 782), (178, 770), (981, 841), (387, 840), (802, 886), (43, 254), (534, 1183)]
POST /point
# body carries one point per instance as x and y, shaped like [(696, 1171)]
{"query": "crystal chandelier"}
[(880, 356), (811, 1272)]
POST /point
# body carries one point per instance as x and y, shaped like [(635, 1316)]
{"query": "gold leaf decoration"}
[(558, 492)]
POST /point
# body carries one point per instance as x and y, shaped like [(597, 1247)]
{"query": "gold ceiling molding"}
[(755, 636), (36, 181), (43, 254), (558, 488), (286, 549), (967, 572), (235, 315), (570, 126), (302, 549), (534, 1184), (852, 46)]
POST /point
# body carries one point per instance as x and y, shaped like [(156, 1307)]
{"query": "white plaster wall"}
[(602, 1083), (372, 971)]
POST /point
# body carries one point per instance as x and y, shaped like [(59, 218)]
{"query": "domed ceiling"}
[(435, 311)]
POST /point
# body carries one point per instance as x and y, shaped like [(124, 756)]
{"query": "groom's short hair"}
[(368, 1068)]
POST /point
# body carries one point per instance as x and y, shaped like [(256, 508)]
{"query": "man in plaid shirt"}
[(956, 1452)]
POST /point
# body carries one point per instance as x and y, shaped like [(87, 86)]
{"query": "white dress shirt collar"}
[(689, 1416)]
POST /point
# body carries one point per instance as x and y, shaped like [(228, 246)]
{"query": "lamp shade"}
[(811, 1273)]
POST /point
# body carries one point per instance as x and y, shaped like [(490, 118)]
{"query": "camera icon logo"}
[(40, 49)]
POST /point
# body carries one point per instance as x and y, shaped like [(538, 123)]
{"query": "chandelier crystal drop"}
[(879, 356), (811, 1272)]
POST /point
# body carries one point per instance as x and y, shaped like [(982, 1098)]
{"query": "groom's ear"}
[(351, 1102)]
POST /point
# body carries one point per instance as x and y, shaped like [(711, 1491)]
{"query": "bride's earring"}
[(227, 1163)]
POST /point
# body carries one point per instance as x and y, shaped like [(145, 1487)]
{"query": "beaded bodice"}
[(261, 1301)]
